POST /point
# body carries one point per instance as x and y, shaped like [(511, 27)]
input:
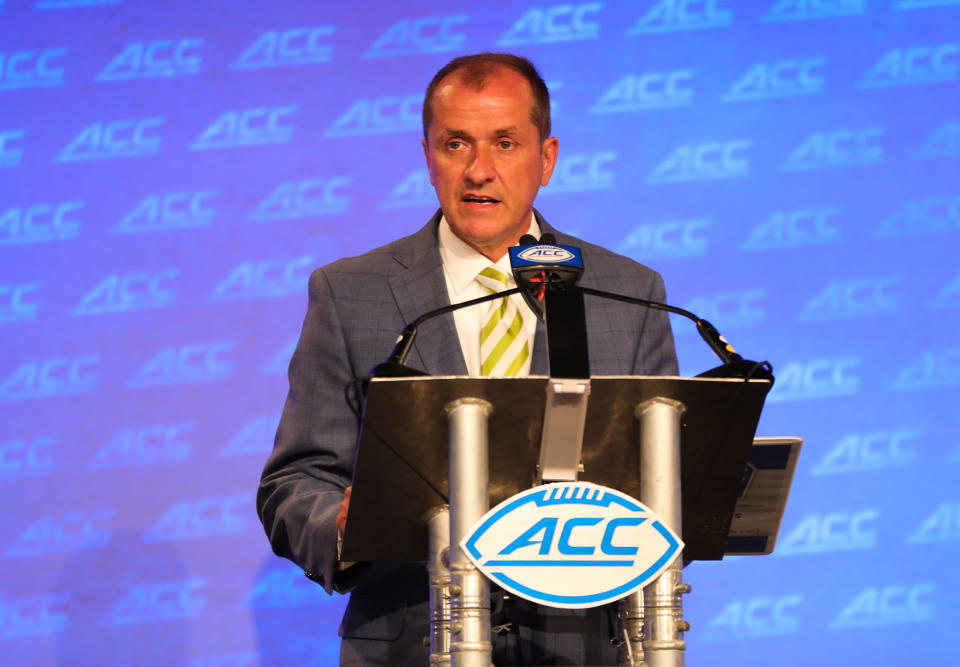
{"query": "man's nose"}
[(481, 170)]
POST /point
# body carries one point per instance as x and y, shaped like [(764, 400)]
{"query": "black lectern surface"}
[(389, 502)]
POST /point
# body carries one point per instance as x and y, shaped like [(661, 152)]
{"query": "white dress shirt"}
[(461, 264)]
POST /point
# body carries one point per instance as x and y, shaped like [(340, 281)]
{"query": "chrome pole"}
[(438, 570), (470, 644), (663, 641)]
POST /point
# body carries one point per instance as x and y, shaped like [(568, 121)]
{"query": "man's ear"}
[(426, 155), (549, 156)]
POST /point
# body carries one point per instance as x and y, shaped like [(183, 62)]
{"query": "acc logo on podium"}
[(571, 545)]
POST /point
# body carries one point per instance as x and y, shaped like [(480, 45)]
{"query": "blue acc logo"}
[(582, 172), (247, 127), (429, 34), (944, 142), (799, 10), (131, 291), (284, 587), (265, 279), (554, 254), (839, 148), (778, 79), (798, 227), (14, 303), (27, 458), (202, 517), (39, 223), (853, 298), (917, 65), (874, 450), (414, 190), (761, 616), (172, 210), (673, 238), (30, 69), (58, 376), (889, 605), (923, 4), (120, 138), (255, 438), (731, 310), (160, 58), (390, 113), (294, 46), (161, 600), (942, 525), (571, 545), (304, 199), (670, 15), (818, 378), (833, 531), (560, 23), (935, 368), (281, 360), (196, 362), (701, 162), (949, 296), (650, 90), (34, 615), (10, 156), (926, 215)]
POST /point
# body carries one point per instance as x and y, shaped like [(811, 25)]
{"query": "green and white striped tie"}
[(504, 350)]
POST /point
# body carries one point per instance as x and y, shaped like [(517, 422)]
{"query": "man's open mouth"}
[(480, 199)]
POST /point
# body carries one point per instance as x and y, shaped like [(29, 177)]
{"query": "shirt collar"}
[(462, 263)]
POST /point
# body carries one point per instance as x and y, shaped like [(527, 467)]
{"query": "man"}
[(488, 149)]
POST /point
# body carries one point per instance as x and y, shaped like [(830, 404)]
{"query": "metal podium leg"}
[(663, 642), (438, 570), (469, 500)]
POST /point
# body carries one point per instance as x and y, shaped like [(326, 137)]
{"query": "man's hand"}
[(342, 514)]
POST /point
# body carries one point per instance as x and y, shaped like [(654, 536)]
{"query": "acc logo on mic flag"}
[(571, 545), (554, 254)]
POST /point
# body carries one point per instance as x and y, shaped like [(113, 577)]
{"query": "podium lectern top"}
[(390, 503)]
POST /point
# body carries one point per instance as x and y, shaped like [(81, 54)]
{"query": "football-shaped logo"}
[(571, 545), (551, 254)]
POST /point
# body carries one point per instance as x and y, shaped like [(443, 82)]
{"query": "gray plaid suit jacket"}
[(357, 307)]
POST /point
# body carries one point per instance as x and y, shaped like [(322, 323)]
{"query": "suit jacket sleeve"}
[(312, 461), (656, 354)]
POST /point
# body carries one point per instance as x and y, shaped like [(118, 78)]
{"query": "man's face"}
[(486, 160)]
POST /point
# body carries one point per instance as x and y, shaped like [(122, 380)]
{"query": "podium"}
[(436, 452)]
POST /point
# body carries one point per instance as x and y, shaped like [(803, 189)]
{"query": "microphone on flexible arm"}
[(547, 275), (395, 364), (548, 269)]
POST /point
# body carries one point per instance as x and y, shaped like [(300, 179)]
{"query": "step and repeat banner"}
[(171, 171)]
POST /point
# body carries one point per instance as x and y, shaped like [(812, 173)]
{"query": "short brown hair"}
[(477, 67)]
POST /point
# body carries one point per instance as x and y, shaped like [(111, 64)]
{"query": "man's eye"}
[(504, 143), (455, 144)]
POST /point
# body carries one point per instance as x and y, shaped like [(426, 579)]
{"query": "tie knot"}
[(493, 279)]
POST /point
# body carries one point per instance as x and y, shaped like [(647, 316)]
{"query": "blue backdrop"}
[(171, 171)]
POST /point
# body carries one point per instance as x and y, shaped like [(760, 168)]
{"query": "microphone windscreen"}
[(548, 238), (527, 239)]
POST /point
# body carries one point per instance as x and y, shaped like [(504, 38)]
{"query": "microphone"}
[(542, 265), (547, 276), (543, 268), (394, 366), (547, 268)]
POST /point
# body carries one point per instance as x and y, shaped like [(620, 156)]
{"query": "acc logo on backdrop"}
[(571, 545)]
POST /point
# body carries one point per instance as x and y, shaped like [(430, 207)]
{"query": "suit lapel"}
[(419, 288)]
